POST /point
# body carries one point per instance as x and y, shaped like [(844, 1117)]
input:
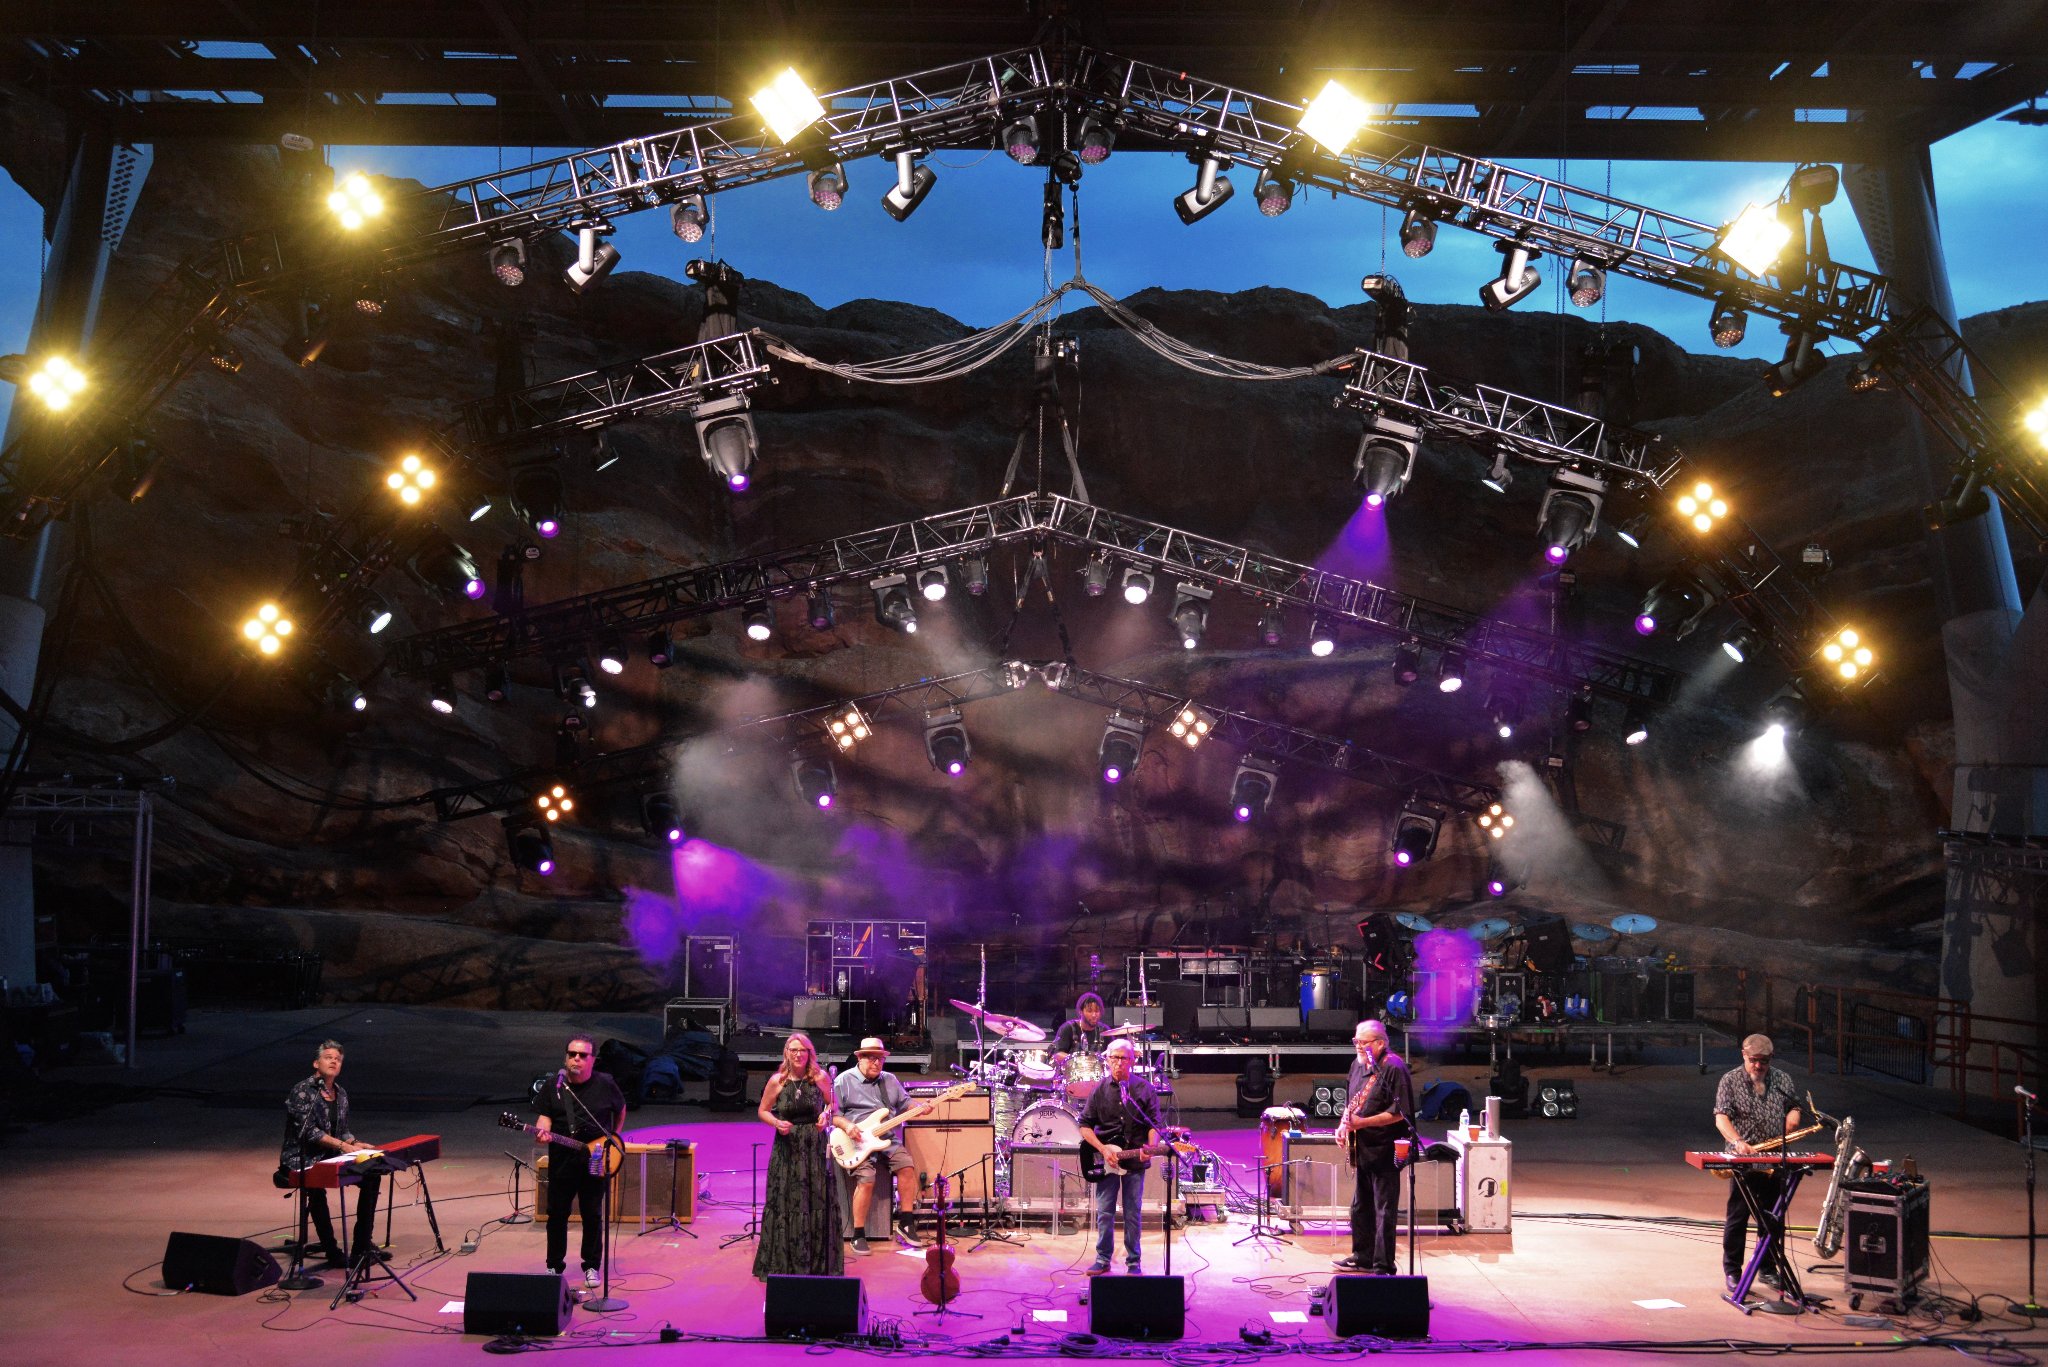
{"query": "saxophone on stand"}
[(1851, 1165)]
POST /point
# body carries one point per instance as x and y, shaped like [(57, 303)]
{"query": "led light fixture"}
[(827, 186), (1756, 239), (914, 180), (1570, 513), (725, 438), (945, 742), (1517, 279), (1190, 614), (1123, 741), (594, 260), (787, 105), (1137, 585), (758, 618), (1251, 789), (1334, 117), (1211, 189), (1418, 234), (893, 606)]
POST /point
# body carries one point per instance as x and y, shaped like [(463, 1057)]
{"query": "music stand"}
[(673, 1225), (752, 1229), (518, 1216)]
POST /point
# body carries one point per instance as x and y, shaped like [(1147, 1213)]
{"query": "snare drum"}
[(1035, 1068), (1084, 1072)]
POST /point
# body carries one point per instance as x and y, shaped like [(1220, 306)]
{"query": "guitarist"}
[(579, 1098), (1753, 1104), (1381, 1110), (869, 1087), (1121, 1114)]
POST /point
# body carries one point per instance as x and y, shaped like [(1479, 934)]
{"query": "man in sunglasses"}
[(582, 1104)]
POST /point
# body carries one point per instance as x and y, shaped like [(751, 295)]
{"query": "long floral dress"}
[(800, 1213)]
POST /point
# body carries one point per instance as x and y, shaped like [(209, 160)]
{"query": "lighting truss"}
[(670, 382), (1742, 570)]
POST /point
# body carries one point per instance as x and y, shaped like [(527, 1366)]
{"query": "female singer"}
[(800, 1213)]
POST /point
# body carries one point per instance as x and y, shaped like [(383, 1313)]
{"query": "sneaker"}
[(1133, 1269), (904, 1240), (1098, 1267), (860, 1243), (1773, 1281), (1348, 1264), (590, 1279)]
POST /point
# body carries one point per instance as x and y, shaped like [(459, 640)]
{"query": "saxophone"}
[(1851, 1165)]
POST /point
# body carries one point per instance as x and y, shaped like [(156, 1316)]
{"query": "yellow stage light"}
[(1756, 238), (354, 202), (787, 105), (1334, 117)]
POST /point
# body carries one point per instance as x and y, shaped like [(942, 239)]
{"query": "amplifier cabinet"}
[(640, 1189), (1320, 1188), (944, 1150), (971, 1108), (1884, 1246)]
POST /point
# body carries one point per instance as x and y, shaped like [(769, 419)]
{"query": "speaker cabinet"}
[(1137, 1307), (939, 1150), (1180, 1006), (528, 1303), (1669, 996), (1386, 1307), (815, 1308), (1317, 1183), (217, 1265)]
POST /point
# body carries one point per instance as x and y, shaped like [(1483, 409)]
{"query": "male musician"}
[(316, 1127), (1121, 1115), (1381, 1109), (582, 1104), (1754, 1104), (869, 1087), (1083, 1034)]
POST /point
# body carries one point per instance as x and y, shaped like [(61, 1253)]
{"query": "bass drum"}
[(1084, 1073), (1046, 1124)]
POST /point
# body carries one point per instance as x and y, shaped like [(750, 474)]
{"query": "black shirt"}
[(1387, 1087), (1116, 1120), (600, 1096), (1076, 1038)]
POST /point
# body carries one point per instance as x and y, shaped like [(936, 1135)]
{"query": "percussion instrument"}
[(1319, 989), (1634, 923), (1128, 1031), (1492, 928), (1003, 1027), (1592, 934), (1084, 1073), (1035, 1068), (1409, 920), (1051, 1123), (1275, 1124)]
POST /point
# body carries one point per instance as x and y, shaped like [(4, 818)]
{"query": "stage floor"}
[(1615, 1239)]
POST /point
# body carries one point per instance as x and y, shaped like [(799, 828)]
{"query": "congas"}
[(1275, 1124), (1046, 1124), (1084, 1071), (1319, 987), (1035, 1068)]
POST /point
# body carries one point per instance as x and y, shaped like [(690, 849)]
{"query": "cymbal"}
[(1634, 923), (1005, 1027), (1592, 933), (1492, 928), (1409, 920), (1127, 1031)]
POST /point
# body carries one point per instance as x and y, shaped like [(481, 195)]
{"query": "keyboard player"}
[(1754, 1103), (316, 1127)]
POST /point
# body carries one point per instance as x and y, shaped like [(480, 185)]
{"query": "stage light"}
[(497, 682), (974, 574), (572, 681), (914, 180), (1585, 282), (411, 480), (1190, 615), (344, 696), (531, 848), (1322, 639), (1741, 643), (1500, 478), (1675, 604), (1251, 789), (1517, 279), (611, 651), (1021, 142), (1812, 187), (1137, 585), (1629, 531), (372, 613), (537, 498), (1570, 513), (222, 355), (1756, 238), (594, 260), (1787, 713), (354, 201), (931, 583), (1496, 821), (1498, 885), (1334, 117), (787, 105), (893, 607), (554, 802), (1450, 671), (1504, 709), (441, 693), (849, 728), (658, 817), (1272, 626), (725, 438), (1407, 662), (1095, 575), (1578, 709), (475, 506), (1728, 324), (827, 186), (1272, 192), (1211, 189), (945, 742), (759, 620), (1418, 234), (56, 382), (1802, 360), (1635, 728), (1415, 832), (817, 784), (661, 649), (370, 299), (689, 217), (267, 629), (1847, 653), (818, 609), (1122, 742), (1385, 459), (1865, 376), (1191, 726), (1701, 507), (2036, 422), (1094, 141), (508, 262)]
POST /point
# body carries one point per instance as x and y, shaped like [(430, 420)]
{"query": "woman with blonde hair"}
[(800, 1212)]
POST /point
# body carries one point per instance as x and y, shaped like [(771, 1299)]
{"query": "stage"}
[(1614, 1237)]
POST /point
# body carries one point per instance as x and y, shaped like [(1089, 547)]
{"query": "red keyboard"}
[(1712, 1161), (400, 1153)]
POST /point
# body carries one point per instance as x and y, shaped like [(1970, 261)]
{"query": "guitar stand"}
[(1262, 1210), (673, 1225), (752, 1229), (1770, 1234), (943, 1306)]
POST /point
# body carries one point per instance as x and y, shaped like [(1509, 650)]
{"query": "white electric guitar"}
[(871, 1134)]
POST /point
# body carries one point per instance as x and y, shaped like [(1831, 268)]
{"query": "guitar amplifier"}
[(640, 1189), (1320, 1189)]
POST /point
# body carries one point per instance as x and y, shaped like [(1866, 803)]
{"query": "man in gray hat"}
[(868, 1088), (1754, 1104)]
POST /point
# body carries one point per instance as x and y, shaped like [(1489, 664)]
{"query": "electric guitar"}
[(871, 1134), (604, 1155), (1770, 1146), (1404, 1130), (1094, 1169)]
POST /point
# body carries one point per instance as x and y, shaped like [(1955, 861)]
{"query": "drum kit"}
[(1035, 1099)]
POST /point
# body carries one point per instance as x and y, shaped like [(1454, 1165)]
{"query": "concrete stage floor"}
[(1615, 1239)]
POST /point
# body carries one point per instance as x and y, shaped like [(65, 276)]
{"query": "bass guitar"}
[(871, 1133), (1770, 1146), (603, 1155), (1093, 1169)]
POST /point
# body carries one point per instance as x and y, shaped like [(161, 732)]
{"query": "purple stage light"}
[(955, 767), (1497, 888), (547, 526), (475, 589), (675, 835), (1244, 813), (1375, 500), (1645, 624), (547, 866), (1556, 555), (824, 799), (1403, 858), (1112, 775), (738, 483)]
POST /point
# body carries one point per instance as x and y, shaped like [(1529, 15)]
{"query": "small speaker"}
[(1137, 1307), (815, 1308), (1330, 1021), (217, 1265), (527, 1303), (1387, 1307), (1180, 1009)]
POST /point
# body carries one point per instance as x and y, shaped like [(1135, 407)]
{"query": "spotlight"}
[(759, 620), (914, 180), (1700, 506), (2036, 422), (945, 742), (974, 575), (1496, 821), (1787, 712), (1500, 477), (1675, 603), (267, 628), (1407, 662), (1122, 742), (1190, 614), (56, 382), (1727, 324), (1251, 789), (827, 186), (689, 217), (1415, 832), (611, 651), (1755, 239), (508, 262), (931, 582), (441, 694), (658, 817), (554, 802), (1272, 192), (818, 609), (1450, 671), (1272, 626), (787, 105), (1334, 117), (1385, 460), (1578, 712), (354, 201), (411, 480), (1741, 643), (497, 682), (1802, 361), (893, 607), (1191, 726), (849, 728), (372, 613), (1499, 882), (1021, 142), (725, 438), (475, 506), (1585, 282), (661, 649), (1517, 279), (1095, 575), (370, 299), (537, 498), (1504, 709), (1630, 530), (1570, 512), (1418, 234), (594, 260), (572, 682), (531, 848), (344, 696), (816, 782), (1847, 653), (222, 355), (1812, 187), (1210, 190), (1322, 640), (1635, 729), (1094, 141), (1137, 585)]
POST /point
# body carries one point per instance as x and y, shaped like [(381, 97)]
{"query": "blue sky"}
[(972, 249)]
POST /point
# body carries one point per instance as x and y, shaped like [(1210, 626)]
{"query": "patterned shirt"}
[(1756, 1116), (308, 1119)]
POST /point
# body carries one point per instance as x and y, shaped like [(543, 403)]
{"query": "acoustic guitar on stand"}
[(871, 1132), (604, 1155), (940, 1283)]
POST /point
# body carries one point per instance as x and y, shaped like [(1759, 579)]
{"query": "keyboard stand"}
[(1770, 1233)]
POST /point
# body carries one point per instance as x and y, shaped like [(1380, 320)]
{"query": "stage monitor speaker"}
[(1331, 1021), (525, 1303), (1386, 1307), (1137, 1307), (1180, 1005), (1549, 944), (939, 1150), (815, 1308), (217, 1265)]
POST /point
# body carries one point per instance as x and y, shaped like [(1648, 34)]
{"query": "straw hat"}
[(871, 1048)]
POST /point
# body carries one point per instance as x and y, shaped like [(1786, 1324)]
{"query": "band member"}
[(859, 1094), (800, 1210), (1123, 1113), (1381, 1110), (1083, 1034), (582, 1104), (1753, 1103), (316, 1127)]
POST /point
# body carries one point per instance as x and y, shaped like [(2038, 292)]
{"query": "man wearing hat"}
[(1754, 1103), (868, 1088)]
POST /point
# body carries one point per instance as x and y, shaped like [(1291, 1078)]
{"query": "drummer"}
[(1081, 1035)]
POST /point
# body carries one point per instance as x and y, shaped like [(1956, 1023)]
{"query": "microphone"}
[(2021, 1091), (561, 1078)]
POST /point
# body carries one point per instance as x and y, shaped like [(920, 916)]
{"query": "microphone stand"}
[(752, 1228), (1262, 1209), (2032, 1307), (674, 1223), (518, 1216), (1172, 1157), (605, 1301)]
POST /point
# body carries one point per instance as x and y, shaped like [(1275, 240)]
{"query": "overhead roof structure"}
[(1626, 79)]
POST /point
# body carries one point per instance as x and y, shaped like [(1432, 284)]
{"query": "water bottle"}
[(1465, 1122)]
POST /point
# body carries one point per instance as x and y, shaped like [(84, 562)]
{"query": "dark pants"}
[(1375, 1208), (1129, 1191), (366, 1217), (1764, 1186), (569, 1184)]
